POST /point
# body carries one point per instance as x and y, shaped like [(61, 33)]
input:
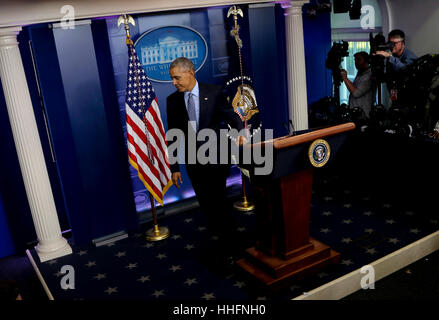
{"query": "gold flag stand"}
[(156, 233), (243, 205)]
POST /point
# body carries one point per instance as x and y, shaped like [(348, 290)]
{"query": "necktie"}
[(191, 110)]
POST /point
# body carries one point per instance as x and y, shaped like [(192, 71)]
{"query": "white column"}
[(51, 244), (297, 99)]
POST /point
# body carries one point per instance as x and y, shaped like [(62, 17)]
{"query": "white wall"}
[(420, 22), (342, 20)]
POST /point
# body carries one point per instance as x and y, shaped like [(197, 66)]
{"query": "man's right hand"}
[(384, 54), (344, 74), (176, 178)]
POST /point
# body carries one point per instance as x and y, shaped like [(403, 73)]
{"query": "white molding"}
[(355, 30), (77, 23), (353, 34), (11, 31), (386, 18), (262, 5), (110, 238), (26, 12), (350, 283)]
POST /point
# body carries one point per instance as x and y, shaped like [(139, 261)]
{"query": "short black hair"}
[(364, 55), (182, 62), (397, 33)]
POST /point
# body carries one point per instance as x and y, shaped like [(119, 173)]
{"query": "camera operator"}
[(362, 89), (400, 57)]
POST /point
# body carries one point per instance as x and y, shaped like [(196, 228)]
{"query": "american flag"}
[(147, 147)]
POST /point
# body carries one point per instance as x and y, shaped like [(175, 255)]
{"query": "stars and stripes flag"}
[(147, 146)]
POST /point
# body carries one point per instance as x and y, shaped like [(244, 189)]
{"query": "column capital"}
[(9, 31), (293, 7), (8, 36)]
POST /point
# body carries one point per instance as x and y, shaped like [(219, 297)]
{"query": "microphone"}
[(292, 126), (286, 127)]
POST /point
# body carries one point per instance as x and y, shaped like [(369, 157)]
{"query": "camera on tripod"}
[(335, 56)]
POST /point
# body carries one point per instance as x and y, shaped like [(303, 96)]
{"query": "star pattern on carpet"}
[(131, 266), (347, 262), (111, 290), (100, 276), (175, 268), (120, 254), (161, 256), (191, 281), (144, 279), (208, 296), (158, 293), (91, 264), (361, 228), (239, 284)]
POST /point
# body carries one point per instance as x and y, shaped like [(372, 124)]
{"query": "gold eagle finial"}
[(126, 20), (235, 11)]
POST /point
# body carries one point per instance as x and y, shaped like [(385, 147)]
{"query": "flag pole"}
[(156, 233), (240, 205)]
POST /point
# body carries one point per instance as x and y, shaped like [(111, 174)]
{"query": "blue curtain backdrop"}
[(6, 243), (267, 41), (317, 38)]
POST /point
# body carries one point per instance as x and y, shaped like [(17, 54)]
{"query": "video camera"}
[(334, 59), (378, 62), (378, 43)]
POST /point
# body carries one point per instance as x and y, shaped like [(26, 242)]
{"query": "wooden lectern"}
[(284, 249)]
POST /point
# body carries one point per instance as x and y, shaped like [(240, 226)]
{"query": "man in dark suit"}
[(196, 106)]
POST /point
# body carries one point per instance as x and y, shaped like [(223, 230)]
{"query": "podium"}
[(284, 250)]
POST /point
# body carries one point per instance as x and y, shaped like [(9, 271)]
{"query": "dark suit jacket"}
[(214, 109)]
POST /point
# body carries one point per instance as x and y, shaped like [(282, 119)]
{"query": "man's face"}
[(183, 80), (359, 62), (398, 47)]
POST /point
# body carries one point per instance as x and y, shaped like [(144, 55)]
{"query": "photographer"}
[(400, 57), (362, 90)]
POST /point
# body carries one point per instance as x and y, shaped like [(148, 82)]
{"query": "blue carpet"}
[(361, 225)]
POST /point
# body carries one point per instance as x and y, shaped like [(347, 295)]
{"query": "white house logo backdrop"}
[(158, 47)]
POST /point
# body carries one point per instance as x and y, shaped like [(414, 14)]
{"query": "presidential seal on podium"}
[(319, 152)]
